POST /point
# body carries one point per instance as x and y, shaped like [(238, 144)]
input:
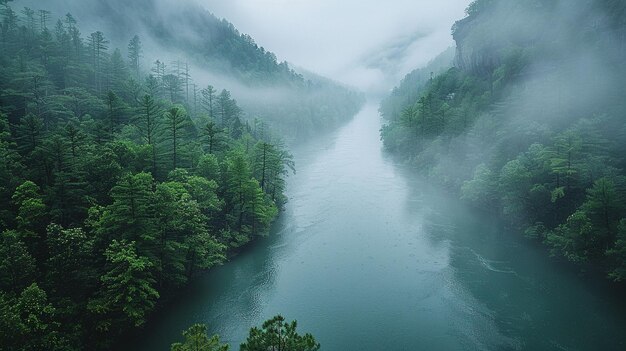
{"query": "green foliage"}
[(604, 205), (175, 122), (618, 254), (196, 339), (271, 164), (276, 334), (482, 188), (127, 294), (518, 129), (208, 167), (251, 211), (413, 85), (115, 190), (131, 215), (32, 211), (575, 239), (69, 266), (17, 266), (27, 322)]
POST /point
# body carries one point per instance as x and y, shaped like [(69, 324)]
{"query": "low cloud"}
[(365, 43)]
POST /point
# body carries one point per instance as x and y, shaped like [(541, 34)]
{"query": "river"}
[(367, 257)]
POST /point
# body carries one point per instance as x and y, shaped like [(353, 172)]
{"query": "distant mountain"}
[(217, 54), (182, 28)]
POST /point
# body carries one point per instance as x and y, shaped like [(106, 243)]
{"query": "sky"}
[(369, 44)]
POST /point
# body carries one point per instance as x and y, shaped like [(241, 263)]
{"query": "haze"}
[(369, 44), (391, 175)]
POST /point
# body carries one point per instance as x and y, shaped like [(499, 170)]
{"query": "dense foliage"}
[(410, 88), (529, 123), (276, 334), (189, 39), (197, 339), (116, 187)]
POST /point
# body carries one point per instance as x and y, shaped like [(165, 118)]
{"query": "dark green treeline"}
[(117, 186), (275, 334)]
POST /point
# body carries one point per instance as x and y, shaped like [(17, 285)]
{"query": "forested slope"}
[(186, 38), (530, 123), (116, 187)]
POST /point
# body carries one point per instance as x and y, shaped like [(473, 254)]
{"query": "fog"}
[(460, 177), (569, 85), (369, 44)]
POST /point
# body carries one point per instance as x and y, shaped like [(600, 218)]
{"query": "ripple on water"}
[(367, 259)]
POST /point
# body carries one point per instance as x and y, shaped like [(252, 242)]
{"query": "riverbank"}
[(367, 256)]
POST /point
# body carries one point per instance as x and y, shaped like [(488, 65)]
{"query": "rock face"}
[(494, 29), (479, 57)]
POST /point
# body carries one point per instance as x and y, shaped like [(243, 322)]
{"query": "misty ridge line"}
[(186, 32), (121, 182)]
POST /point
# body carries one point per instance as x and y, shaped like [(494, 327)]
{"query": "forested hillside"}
[(530, 122), (410, 88), (116, 185), (184, 37)]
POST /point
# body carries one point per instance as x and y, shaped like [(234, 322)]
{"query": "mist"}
[(366, 44), (185, 32), (527, 121), (574, 80), (312, 175)]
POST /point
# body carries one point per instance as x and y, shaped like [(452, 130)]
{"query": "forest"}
[(117, 184), (526, 122), (187, 39), (149, 197)]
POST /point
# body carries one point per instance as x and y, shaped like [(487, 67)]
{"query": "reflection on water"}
[(366, 257)]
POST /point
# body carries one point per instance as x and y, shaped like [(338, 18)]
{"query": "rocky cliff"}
[(557, 29)]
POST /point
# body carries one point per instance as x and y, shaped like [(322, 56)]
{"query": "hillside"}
[(116, 190), (413, 84), (187, 39), (529, 123)]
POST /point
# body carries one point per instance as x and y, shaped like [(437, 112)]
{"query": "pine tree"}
[(175, 123), (32, 212), (131, 215), (135, 51), (127, 294), (276, 334), (213, 136), (228, 109), (149, 124), (98, 47), (17, 266), (117, 72), (69, 264), (196, 339), (208, 100), (172, 85)]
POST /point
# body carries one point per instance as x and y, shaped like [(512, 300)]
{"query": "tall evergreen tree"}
[(127, 294), (175, 123), (98, 47), (135, 51)]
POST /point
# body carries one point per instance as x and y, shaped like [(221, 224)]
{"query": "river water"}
[(368, 258)]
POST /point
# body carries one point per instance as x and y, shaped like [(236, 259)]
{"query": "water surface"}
[(366, 257)]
